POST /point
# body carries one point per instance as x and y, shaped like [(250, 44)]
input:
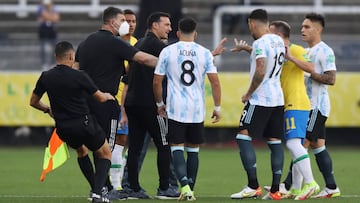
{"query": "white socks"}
[(301, 162), (117, 166)]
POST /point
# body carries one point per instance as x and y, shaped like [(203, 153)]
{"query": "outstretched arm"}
[(241, 45), (145, 58), (220, 48), (303, 65)]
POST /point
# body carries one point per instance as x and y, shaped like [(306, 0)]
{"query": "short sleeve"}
[(259, 49), (160, 68), (40, 88), (210, 66), (329, 60), (87, 83)]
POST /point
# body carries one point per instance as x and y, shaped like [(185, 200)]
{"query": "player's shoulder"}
[(269, 39), (325, 47), (322, 49), (297, 48)]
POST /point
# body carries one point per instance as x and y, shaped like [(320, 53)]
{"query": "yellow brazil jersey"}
[(292, 81), (132, 42)]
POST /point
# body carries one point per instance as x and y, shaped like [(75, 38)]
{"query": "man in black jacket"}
[(142, 112)]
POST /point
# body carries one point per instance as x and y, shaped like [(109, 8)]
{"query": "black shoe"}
[(141, 194), (99, 199), (117, 195)]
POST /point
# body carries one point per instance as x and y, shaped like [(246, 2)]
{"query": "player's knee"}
[(317, 143), (121, 140), (82, 151), (104, 151)]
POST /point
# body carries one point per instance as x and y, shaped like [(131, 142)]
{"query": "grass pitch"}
[(220, 174)]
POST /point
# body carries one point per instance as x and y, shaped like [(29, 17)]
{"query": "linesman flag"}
[(56, 153)]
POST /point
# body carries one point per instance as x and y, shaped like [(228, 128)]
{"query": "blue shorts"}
[(121, 130), (295, 123)]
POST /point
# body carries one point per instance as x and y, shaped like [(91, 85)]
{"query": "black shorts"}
[(267, 122), (81, 131), (107, 114), (179, 133), (316, 126)]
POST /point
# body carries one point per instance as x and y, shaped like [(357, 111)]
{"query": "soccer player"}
[(297, 108), (263, 114), (185, 64), (67, 90), (102, 56), (117, 161), (316, 84)]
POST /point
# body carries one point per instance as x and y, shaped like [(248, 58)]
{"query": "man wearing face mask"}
[(101, 55)]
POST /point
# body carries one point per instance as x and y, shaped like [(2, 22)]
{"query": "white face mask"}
[(124, 29)]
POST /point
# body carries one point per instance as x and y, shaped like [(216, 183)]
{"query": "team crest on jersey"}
[(331, 59), (307, 58), (258, 52)]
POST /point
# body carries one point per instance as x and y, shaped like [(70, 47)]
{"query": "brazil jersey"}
[(324, 60), (292, 81), (132, 42)]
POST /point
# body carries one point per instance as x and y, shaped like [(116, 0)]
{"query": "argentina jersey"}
[(324, 60), (185, 65), (272, 48)]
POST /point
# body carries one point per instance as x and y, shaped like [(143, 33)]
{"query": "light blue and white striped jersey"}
[(324, 60), (185, 65), (269, 92)]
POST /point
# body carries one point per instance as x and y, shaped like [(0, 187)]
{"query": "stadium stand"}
[(18, 34)]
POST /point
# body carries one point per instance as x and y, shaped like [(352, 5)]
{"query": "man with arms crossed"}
[(263, 114), (185, 64)]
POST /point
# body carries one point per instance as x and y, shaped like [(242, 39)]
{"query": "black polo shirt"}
[(67, 90), (102, 56), (140, 77)]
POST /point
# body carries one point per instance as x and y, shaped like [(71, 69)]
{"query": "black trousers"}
[(142, 119)]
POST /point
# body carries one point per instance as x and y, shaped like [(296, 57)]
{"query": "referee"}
[(67, 90), (102, 56)]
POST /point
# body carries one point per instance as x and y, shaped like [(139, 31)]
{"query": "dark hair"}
[(155, 17), (260, 15), (187, 25), (283, 27), (62, 48), (129, 11), (315, 17), (110, 13)]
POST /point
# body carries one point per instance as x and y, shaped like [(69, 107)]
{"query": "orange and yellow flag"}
[(56, 153)]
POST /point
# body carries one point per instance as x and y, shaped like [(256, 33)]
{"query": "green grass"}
[(220, 174)]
